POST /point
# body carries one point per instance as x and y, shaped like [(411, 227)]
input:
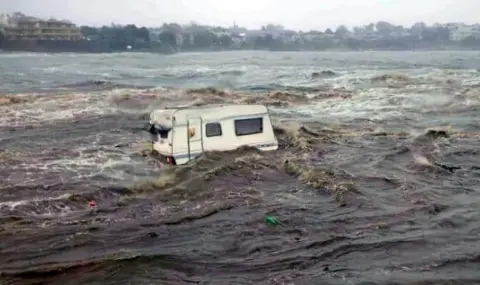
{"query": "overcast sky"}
[(294, 14)]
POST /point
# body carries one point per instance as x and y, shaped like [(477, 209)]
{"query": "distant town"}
[(27, 33)]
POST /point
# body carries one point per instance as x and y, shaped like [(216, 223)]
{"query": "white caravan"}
[(183, 133)]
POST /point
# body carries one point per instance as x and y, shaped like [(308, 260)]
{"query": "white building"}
[(461, 31), (4, 20)]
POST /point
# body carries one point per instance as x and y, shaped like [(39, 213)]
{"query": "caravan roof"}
[(208, 112)]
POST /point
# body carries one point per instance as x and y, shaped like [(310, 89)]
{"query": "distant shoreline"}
[(96, 47), (5, 51)]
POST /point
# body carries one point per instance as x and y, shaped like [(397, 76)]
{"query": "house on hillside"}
[(31, 28)]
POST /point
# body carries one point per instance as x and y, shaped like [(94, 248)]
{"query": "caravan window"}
[(248, 126), (213, 130), (159, 130), (163, 134)]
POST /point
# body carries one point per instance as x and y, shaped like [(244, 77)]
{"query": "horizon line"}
[(234, 22)]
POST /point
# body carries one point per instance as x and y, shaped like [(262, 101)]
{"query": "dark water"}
[(376, 180)]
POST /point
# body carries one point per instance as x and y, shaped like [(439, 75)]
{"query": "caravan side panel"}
[(256, 131), (239, 130), (221, 128), (186, 130)]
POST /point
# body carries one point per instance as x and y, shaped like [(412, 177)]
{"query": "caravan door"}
[(195, 137)]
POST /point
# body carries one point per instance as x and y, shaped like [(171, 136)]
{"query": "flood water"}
[(376, 180)]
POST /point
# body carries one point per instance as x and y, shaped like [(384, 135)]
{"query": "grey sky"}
[(294, 14)]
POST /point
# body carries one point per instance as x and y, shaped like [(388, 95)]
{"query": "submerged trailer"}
[(183, 133)]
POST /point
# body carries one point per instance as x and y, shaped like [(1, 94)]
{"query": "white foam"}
[(51, 109)]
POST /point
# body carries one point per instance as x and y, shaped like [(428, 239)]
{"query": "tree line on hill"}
[(173, 37), (382, 35), (118, 37)]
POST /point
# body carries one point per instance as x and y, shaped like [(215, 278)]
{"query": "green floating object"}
[(271, 220)]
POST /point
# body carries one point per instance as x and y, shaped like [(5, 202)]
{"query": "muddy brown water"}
[(361, 199)]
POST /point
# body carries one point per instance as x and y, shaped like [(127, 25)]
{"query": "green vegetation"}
[(2, 35), (118, 37)]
